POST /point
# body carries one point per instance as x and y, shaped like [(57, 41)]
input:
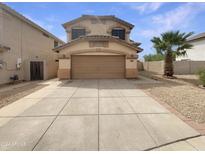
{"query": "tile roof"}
[(134, 45), (112, 17)]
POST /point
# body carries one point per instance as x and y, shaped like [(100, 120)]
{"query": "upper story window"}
[(55, 44), (77, 32), (119, 32)]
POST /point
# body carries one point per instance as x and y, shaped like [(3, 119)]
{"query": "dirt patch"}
[(15, 92), (186, 97), (193, 79)]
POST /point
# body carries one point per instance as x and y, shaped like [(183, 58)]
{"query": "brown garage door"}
[(98, 67)]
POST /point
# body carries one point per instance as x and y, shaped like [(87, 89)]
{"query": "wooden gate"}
[(36, 70)]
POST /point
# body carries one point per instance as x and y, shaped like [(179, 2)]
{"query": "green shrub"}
[(153, 57), (201, 74)]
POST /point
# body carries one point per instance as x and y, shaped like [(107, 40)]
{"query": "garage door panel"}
[(97, 76), (98, 67)]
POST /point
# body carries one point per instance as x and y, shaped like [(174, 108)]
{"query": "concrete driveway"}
[(92, 115)]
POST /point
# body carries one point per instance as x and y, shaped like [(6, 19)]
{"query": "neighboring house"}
[(197, 53), (25, 48), (98, 47)]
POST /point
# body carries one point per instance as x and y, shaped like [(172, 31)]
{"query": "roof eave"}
[(137, 48), (195, 39)]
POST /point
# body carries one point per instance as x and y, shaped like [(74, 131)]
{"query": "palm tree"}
[(171, 44)]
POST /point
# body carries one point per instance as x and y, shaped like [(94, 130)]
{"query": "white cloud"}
[(180, 17), (146, 7)]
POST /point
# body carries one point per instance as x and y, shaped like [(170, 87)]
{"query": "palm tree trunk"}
[(168, 66)]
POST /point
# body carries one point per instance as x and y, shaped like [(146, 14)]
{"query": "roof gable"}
[(107, 17)]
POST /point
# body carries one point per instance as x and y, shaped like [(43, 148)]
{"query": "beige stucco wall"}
[(131, 68), (64, 68), (64, 63), (100, 28), (197, 53), (131, 64), (27, 43), (180, 67), (154, 66), (96, 53)]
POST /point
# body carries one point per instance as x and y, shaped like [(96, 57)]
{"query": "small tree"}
[(171, 44)]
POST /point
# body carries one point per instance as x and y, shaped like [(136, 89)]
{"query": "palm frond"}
[(172, 41)]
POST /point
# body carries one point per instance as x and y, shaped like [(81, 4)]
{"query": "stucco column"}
[(131, 67), (68, 35), (127, 36), (64, 69)]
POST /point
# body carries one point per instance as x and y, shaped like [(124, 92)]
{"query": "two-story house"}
[(25, 48), (98, 47)]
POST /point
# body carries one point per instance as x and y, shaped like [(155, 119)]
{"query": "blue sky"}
[(150, 19)]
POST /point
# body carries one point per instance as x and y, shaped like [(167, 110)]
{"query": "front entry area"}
[(98, 67), (36, 70)]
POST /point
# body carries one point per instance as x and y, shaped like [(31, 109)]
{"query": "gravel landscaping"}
[(11, 93), (193, 79), (183, 94)]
